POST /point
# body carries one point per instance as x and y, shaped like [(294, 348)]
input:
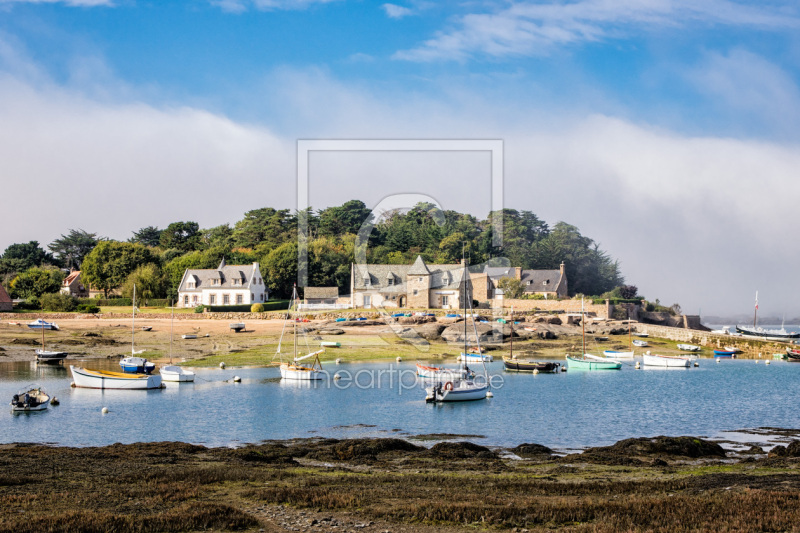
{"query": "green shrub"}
[(31, 304), (87, 308), (55, 301), (199, 308), (257, 308)]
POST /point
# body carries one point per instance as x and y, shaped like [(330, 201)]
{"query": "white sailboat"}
[(172, 372), (293, 369), (134, 364), (49, 356), (614, 354), (459, 388)]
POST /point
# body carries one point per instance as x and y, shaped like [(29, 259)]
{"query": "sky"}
[(666, 130)]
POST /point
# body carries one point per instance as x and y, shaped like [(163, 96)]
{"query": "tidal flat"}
[(379, 485)]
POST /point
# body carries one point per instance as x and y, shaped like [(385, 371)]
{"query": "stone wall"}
[(565, 306), (751, 347)]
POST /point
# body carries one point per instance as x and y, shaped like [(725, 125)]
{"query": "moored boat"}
[(33, 399), (293, 369), (522, 365), (104, 379), (732, 349), (136, 365), (174, 373), (669, 361), (591, 362), (435, 372), (470, 357), (769, 334), (42, 324), (237, 327), (688, 348), (330, 344), (614, 354), (50, 357), (640, 344), (189, 336), (460, 390), (723, 353)]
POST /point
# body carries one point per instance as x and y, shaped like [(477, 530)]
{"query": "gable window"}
[(390, 281), (191, 285), (226, 299), (212, 299)]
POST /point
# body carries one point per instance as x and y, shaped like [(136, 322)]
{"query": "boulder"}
[(527, 450), (676, 446), (331, 331), (431, 332), (461, 450)]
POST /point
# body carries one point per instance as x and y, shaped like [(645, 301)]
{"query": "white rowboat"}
[(104, 379), (670, 361), (176, 373)]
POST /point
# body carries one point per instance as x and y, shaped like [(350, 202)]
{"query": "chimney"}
[(562, 268), (518, 272)]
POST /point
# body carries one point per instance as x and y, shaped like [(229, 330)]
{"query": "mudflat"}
[(379, 485)]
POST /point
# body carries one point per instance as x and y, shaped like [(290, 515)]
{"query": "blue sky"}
[(658, 127)]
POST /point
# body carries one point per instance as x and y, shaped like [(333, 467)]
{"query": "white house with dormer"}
[(224, 285)]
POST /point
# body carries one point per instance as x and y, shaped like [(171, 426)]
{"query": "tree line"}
[(155, 259)]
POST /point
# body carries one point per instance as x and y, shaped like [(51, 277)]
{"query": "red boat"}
[(794, 355)]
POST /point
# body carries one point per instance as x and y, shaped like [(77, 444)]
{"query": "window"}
[(191, 285), (416, 292), (239, 299), (186, 300), (194, 299), (390, 281), (262, 297), (215, 281), (252, 297), (445, 301), (212, 299), (419, 279), (226, 299)]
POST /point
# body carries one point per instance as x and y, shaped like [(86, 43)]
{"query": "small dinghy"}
[(724, 353), (475, 357), (237, 327), (33, 399), (669, 361), (614, 354), (189, 336), (176, 373), (330, 344), (447, 374), (688, 347), (640, 344)]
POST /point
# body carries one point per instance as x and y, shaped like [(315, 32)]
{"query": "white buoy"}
[(222, 365), (236, 379), (489, 394), (337, 376), (717, 359), (338, 361), (104, 410), (54, 401), (399, 358), (696, 364), (638, 366), (535, 371), (767, 362)]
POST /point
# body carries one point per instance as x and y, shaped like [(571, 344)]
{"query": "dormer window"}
[(191, 285), (367, 280), (546, 282)]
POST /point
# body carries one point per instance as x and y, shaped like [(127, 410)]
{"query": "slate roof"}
[(320, 292), (226, 273), (446, 276), (495, 273), (4, 297), (537, 279)]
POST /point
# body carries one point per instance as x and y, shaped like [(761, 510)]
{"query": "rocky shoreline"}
[(394, 485)]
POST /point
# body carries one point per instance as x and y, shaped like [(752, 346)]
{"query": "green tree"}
[(175, 268), (73, 247), (149, 236), (217, 237), (35, 282), (512, 287), (181, 235), (280, 269), (347, 218), (266, 226), (22, 256), (57, 302), (150, 283), (111, 262)]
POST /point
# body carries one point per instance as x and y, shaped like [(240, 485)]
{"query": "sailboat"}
[(519, 365), (46, 356), (174, 372), (614, 354), (294, 369), (588, 361), (460, 388), (135, 364), (766, 334)]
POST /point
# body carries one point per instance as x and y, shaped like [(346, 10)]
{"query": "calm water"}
[(567, 410)]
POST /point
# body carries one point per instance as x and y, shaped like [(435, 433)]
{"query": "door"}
[(367, 301)]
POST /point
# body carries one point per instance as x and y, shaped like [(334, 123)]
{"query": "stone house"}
[(419, 285), (548, 283), (224, 285), (321, 295), (72, 285), (6, 304)]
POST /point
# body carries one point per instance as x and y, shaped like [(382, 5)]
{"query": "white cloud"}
[(239, 6), (396, 12), (529, 28), (74, 3)]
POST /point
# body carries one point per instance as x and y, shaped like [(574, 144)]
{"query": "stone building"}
[(6, 304), (73, 286)]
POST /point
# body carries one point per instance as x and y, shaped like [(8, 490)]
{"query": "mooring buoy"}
[(222, 365), (104, 410), (54, 401), (237, 379), (399, 359), (338, 361), (535, 371), (489, 394)]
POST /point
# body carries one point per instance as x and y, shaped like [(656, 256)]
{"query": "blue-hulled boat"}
[(724, 353), (137, 365), (41, 324)]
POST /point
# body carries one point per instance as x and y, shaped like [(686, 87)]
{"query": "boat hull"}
[(461, 391), (581, 363), (723, 353), (613, 354), (767, 333), (176, 374), (101, 379), (475, 358), (443, 374), (300, 373), (666, 361), (30, 401), (521, 365), (688, 348), (50, 358)]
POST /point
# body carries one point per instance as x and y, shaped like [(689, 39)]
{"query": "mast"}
[(133, 318), (171, 329), (755, 312), (294, 322), (42, 327), (583, 328), (511, 354), (630, 338)]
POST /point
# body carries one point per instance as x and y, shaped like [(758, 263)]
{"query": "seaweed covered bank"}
[(378, 485)]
